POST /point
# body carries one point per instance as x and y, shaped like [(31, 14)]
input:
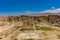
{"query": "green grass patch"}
[(43, 28)]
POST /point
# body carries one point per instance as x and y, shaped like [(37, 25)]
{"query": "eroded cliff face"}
[(49, 18), (54, 18), (31, 18)]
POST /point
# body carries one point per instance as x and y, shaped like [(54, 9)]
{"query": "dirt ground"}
[(36, 34)]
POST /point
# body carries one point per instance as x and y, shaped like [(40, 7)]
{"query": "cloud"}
[(52, 7), (27, 11), (51, 11)]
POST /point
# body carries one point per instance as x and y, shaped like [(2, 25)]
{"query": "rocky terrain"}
[(30, 27), (42, 31)]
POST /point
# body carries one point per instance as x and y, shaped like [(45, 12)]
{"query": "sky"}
[(19, 7)]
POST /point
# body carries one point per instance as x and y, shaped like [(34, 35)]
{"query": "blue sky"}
[(16, 7)]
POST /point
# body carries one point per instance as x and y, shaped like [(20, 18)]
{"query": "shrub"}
[(15, 39), (58, 36), (22, 29), (29, 39), (39, 20), (37, 27)]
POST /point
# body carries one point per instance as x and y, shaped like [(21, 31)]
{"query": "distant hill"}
[(44, 14)]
